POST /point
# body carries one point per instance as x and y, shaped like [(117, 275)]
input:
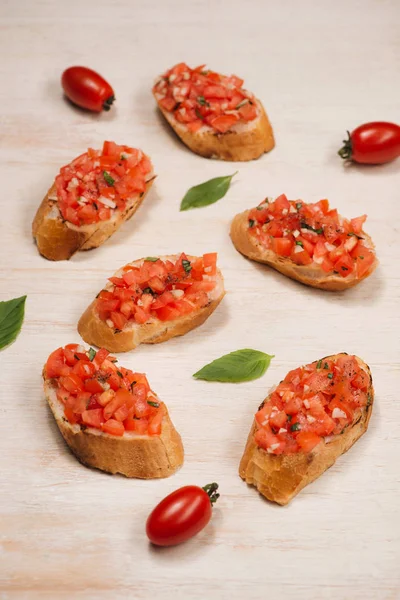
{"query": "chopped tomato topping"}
[(312, 233), (313, 402), (106, 397), (99, 182), (157, 289), (199, 97)]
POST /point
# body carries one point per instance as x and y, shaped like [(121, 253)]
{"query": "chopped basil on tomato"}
[(107, 177), (92, 353)]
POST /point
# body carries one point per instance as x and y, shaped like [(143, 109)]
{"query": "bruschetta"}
[(152, 300), (109, 416), (314, 415), (90, 199), (212, 113), (307, 242)]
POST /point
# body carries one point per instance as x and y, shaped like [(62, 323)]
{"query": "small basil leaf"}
[(206, 193), (11, 317), (241, 365), (151, 259)]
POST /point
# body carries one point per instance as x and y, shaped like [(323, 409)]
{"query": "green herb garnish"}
[(148, 290), (319, 363), (108, 179), (251, 222), (119, 374), (299, 205), (11, 317), (92, 353), (326, 366), (305, 225), (151, 259), (299, 243), (295, 427), (187, 266), (241, 365), (330, 375), (151, 403), (202, 101), (206, 193)]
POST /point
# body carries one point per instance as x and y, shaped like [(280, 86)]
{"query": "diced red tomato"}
[(282, 246), (56, 364), (158, 289), (358, 223), (307, 440), (113, 427), (96, 174), (72, 383), (312, 402), (344, 265), (109, 399), (93, 418), (312, 234)]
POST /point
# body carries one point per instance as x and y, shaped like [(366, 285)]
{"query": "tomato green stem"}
[(346, 151), (211, 490), (107, 103)]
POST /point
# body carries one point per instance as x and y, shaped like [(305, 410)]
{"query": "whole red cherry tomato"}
[(87, 89), (181, 515), (372, 144)]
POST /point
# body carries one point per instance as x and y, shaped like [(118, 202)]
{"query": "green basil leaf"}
[(241, 365), (151, 259), (206, 193), (108, 179), (11, 317)]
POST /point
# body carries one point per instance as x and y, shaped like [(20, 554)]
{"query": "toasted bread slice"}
[(312, 274), (57, 239), (243, 142), (213, 114), (132, 454), (90, 199), (280, 477), (97, 332)]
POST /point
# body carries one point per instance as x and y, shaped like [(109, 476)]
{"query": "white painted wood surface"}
[(319, 68)]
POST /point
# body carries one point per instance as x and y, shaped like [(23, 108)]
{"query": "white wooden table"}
[(320, 68)]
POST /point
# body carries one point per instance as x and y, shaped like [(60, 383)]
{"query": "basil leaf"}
[(187, 266), (108, 179), (206, 193), (151, 403), (241, 365), (151, 259), (11, 317), (92, 353)]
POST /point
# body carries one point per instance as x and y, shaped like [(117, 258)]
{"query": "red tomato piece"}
[(113, 427)]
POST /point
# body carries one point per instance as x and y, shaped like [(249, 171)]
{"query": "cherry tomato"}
[(372, 144), (87, 89), (181, 515)]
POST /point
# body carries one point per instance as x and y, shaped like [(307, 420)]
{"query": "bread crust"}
[(97, 333), (139, 456), (279, 478), (57, 239), (243, 143), (311, 275)]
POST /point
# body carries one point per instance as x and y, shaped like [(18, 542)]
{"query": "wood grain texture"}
[(319, 69)]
